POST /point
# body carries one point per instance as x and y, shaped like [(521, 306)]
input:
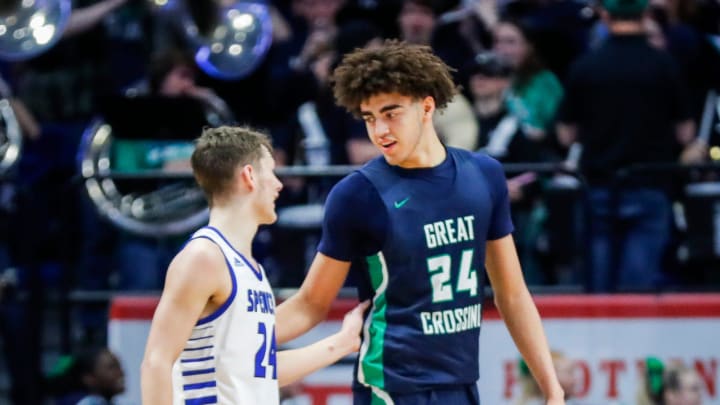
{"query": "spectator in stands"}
[(681, 386), (291, 83), (651, 382), (531, 393), (173, 73), (92, 376), (684, 43), (488, 78), (655, 35), (626, 104), (673, 19), (535, 93), (672, 384), (418, 23), (533, 98), (102, 376)]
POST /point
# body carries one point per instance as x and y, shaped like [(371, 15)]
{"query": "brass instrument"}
[(229, 38), (150, 202), (30, 27)]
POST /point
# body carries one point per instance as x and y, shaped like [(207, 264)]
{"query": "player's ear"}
[(247, 177), (428, 105)]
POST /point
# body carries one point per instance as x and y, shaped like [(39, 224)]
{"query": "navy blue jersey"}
[(420, 234)]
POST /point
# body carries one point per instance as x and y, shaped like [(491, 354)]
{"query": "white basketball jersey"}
[(230, 356)]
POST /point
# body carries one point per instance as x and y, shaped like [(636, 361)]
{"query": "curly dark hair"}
[(411, 70)]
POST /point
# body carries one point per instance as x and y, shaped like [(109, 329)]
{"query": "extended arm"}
[(297, 363), (518, 310), (83, 19), (185, 296), (310, 305), (695, 149)]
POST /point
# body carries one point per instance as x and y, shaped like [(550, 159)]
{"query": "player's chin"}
[(393, 155), (390, 158), (270, 218)]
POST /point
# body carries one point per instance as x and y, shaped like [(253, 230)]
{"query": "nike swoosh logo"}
[(399, 204)]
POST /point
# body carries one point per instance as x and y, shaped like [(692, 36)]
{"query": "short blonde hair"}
[(219, 151)]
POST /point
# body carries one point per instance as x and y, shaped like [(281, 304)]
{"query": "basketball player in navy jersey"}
[(212, 338), (422, 221)]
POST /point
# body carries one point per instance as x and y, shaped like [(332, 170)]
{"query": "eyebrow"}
[(382, 110)]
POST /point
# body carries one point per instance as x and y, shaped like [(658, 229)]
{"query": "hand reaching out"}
[(695, 152), (353, 323), (198, 92), (515, 185)]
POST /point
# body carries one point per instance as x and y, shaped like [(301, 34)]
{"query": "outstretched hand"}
[(353, 323), (695, 152)]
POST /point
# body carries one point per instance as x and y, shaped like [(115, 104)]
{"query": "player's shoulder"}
[(198, 253), (197, 273), (351, 186), (482, 160), (490, 169)]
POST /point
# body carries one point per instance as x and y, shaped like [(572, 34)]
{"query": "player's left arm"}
[(518, 310)]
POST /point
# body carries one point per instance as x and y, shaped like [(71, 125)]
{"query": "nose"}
[(278, 184), (381, 128)]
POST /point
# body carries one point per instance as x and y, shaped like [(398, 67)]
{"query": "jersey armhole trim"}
[(221, 310), (256, 271)]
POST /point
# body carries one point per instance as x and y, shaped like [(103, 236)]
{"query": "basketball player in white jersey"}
[(212, 338)]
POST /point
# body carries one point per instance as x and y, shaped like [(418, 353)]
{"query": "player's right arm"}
[(192, 279), (295, 364), (310, 305), (343, 238)]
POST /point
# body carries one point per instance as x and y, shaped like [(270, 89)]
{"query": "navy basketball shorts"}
[(451, 395)]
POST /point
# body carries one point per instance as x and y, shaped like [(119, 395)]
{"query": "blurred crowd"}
[(605, 114), (660, 383)]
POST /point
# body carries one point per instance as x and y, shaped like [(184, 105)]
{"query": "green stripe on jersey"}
[(371, 370), (380, 397)]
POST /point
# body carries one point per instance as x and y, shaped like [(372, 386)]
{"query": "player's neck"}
[(429, 152), (237, 225)]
